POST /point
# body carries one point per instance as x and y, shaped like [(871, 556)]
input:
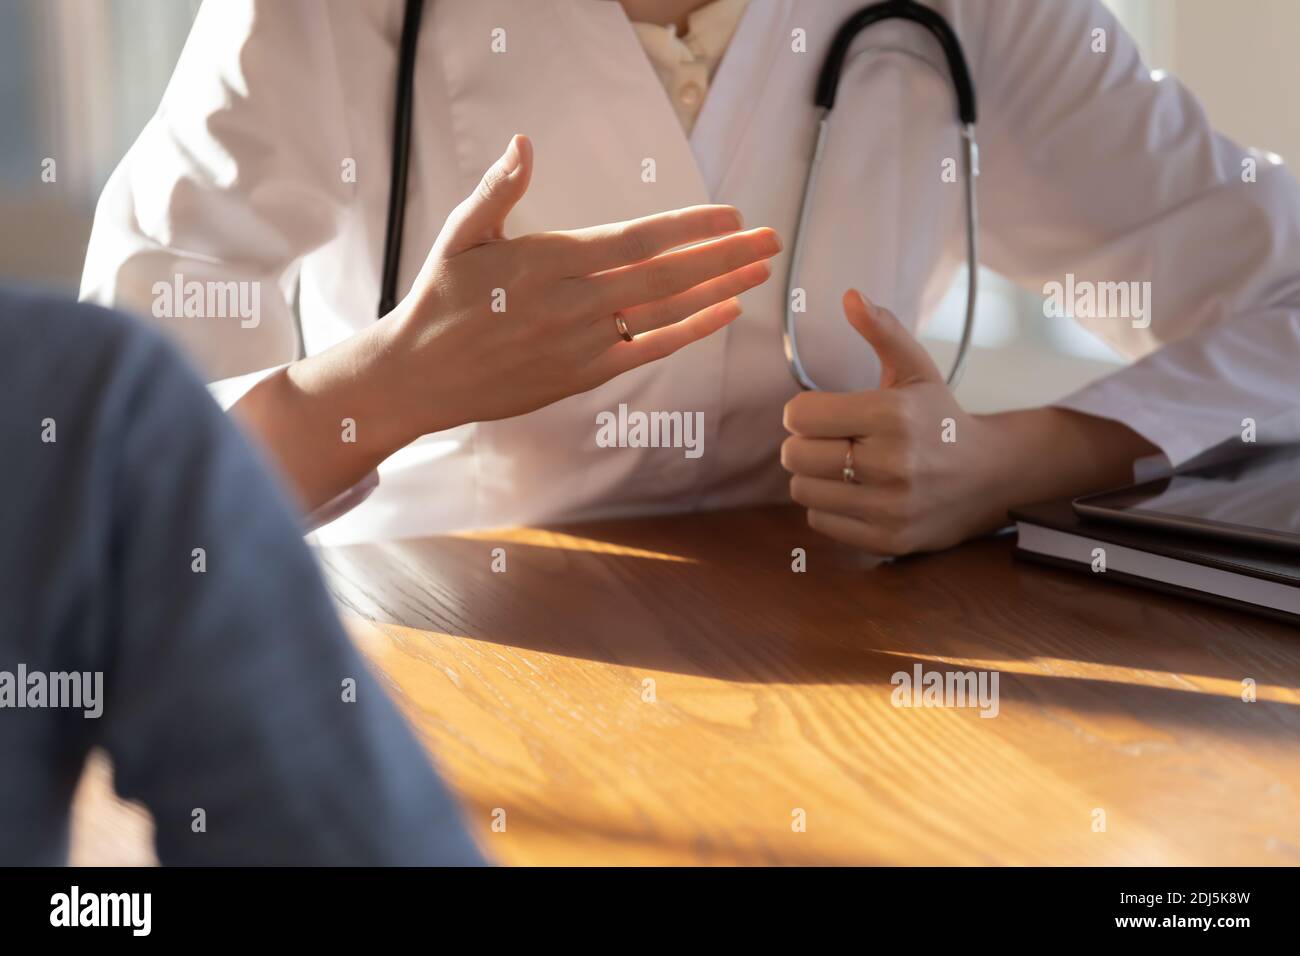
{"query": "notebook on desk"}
[(1227, 535)]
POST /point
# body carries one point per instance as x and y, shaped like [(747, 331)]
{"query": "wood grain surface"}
[(772, 701), (772, 696)]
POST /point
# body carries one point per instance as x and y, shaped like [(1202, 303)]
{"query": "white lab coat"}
[(1089, 166)]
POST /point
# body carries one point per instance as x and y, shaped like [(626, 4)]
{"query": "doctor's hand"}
[(500, 327), (925, 474), (911, 490), (495, 327)]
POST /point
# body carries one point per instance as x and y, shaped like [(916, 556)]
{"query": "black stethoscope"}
[(828, 82)]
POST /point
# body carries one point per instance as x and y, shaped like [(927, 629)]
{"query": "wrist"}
[(345, 394), (419, 370), (1043, 453), (322, 419)]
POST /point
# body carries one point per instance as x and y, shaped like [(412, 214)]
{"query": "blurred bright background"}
[(79, 78), (1237, 56)]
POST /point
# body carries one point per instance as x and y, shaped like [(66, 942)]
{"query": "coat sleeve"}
[(235, 178), (1096, 167)]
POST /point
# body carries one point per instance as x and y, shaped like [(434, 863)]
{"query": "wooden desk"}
[(772, 694)]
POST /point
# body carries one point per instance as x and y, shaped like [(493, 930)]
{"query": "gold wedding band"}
[(620, 323), (850, 475)]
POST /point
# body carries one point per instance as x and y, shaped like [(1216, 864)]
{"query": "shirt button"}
[(690, 94)]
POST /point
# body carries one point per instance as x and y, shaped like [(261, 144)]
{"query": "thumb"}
[(903, 360), (482, 216)]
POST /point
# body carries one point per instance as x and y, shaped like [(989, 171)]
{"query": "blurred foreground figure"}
[(156, 600)]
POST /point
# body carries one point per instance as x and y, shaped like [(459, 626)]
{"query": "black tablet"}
[(1255, 499)]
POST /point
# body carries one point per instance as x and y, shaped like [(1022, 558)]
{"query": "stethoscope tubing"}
[(827, 88)]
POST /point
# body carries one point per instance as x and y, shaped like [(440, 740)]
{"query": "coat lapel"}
[(737, 88), (572, 75)]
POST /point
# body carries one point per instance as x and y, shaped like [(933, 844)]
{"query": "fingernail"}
[(510, 161), (771, 243), (729, 220)]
